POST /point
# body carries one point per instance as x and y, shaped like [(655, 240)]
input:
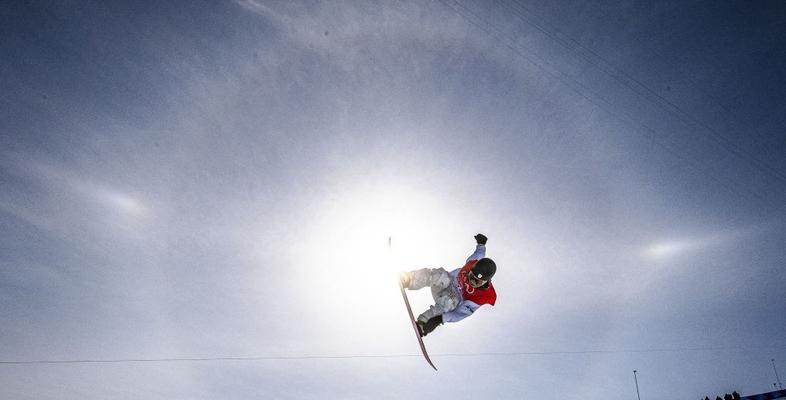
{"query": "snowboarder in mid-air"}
[(458, 293)]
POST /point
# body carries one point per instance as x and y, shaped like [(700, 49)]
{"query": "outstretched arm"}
[(480, 249)]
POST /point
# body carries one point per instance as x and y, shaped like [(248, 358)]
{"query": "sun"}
[(358, 242)]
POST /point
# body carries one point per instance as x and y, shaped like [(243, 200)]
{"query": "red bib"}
[(476, 295)]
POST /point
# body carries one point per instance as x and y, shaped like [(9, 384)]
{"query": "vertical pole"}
[(776, 374), (637, 384)]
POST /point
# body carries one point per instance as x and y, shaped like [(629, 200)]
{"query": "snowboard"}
[(415, 327)]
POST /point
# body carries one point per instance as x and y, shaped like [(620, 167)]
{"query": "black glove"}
[(429, 326), (481, 238)]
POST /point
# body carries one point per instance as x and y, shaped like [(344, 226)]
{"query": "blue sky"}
[(219, 179)]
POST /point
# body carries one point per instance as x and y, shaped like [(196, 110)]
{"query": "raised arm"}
[(480, 248)]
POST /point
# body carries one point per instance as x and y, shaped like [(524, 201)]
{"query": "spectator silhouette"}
[(718, 398), (727, 397), (735, 395)]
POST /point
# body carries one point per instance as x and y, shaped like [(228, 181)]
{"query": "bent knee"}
[(446, 303), (440, 278)]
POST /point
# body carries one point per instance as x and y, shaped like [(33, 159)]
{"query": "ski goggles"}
[(475, 281)]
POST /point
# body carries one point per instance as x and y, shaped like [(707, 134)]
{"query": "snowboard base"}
[(415, 327)]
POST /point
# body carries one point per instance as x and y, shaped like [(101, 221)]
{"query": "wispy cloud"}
[(674, 247), (65, 199), (346, 33)]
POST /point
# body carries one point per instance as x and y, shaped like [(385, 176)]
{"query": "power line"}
[(188, 359), (361, 356)]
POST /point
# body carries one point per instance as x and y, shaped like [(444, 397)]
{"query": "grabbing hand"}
[(481, 238), (429, 326)]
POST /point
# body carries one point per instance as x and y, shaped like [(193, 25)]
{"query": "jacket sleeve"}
[(464, 310), (480, 252)]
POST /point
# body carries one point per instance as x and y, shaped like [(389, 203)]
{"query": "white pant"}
[(445, 298)]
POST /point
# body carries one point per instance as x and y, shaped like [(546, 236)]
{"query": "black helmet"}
[(484, 269)]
